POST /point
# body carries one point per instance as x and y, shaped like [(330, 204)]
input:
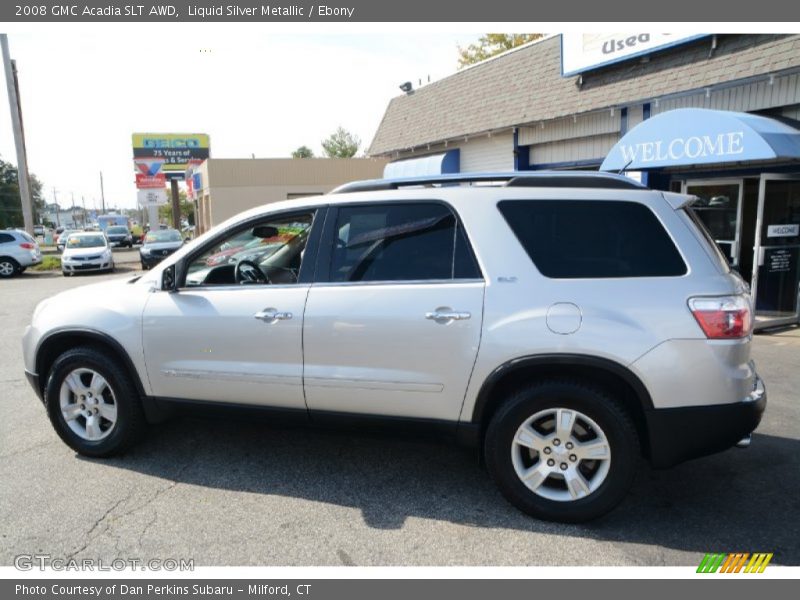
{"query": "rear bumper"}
[(680, 434)]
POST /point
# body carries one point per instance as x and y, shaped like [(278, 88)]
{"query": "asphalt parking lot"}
[(243, 493)]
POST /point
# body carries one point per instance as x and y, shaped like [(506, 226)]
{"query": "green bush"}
[(49, 263)]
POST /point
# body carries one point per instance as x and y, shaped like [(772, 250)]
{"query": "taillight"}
[(27, 246), (723, 317)]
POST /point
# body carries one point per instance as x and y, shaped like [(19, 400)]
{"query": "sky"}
[(255, 93)]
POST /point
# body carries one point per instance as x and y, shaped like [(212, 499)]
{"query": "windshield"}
[(118, 229), (166, 235), (86, 241)]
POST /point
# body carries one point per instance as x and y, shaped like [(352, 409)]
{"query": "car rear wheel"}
[(93, 403), (562, 451), (8, 267)]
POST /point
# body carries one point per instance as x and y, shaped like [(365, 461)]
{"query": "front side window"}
[(400, 242), (593, 238), (268, 252)]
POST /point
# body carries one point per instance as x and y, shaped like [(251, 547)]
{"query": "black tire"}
[(130, 425), (8, 267), (611, 417)]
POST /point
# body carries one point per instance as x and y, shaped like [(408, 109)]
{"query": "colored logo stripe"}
[(735, 562)]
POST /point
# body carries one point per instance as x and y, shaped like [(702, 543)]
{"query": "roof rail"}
[(563, 179)]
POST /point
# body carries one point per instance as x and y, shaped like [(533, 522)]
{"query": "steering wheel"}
[(247, 272)]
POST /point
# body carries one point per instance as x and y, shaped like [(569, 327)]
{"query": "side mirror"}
[(169, 282)]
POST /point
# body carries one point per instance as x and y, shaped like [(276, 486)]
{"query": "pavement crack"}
[(93, 528)]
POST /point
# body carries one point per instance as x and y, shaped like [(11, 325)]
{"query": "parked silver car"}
[(18, 251), (564, 323), (85, 252)]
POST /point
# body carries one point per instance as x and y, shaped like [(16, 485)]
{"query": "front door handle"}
[(270, 315), (445, 314)]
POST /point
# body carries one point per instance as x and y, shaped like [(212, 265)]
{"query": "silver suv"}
[(564, 323), (18, 251)]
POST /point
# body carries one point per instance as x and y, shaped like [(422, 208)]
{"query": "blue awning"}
[(433, 164), (697, 136)]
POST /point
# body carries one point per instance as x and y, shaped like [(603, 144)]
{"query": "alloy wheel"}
[(561, 454), (88, 404)]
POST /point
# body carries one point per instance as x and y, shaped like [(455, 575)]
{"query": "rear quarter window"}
[(592, 239)]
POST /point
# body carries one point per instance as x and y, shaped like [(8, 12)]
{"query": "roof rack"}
[(561, 179)]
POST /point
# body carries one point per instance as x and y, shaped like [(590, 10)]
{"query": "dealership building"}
[(224, 187), (717, 116)]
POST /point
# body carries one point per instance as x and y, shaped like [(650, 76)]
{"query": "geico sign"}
[(696, 146), (171, 143)]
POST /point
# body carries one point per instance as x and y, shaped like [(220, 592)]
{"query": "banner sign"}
[(175, 150), (581, 52), (147, 182), (154, 197)]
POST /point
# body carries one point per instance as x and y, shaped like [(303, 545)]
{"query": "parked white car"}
[(85, 252), (18, 251), (567, 324)]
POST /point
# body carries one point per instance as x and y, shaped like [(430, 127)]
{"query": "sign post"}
[(176, 204)]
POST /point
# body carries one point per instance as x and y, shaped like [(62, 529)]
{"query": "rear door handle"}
[(270, 315), (446, 314)]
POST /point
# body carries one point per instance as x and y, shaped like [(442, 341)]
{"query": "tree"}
[(341, 144), (187, 209), (492, 44), (10, 199), (303, 152)]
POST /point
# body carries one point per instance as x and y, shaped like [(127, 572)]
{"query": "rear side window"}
[(5, 238), (593, 238), (400, 242)]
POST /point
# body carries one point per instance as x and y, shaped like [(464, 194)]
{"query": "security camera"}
[(407, 87)]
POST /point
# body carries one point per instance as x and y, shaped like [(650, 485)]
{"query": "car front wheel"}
[(93, 403), (562, 451)]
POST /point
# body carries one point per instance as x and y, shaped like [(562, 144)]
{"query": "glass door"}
[(776, 270), (719, 206)]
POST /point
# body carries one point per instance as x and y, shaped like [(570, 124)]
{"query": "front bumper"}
[(680, 434), (33, 379), (86, 266), (151, 260)]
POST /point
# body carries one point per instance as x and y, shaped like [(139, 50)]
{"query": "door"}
[(719, 206), (233, 330), (392, 327), (776, 270)]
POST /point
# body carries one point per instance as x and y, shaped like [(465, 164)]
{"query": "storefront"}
[(562, 103), (745, 170)]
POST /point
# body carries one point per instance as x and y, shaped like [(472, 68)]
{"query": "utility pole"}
[(102, 193), (83, 201), (19, 136), (58, 210)]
